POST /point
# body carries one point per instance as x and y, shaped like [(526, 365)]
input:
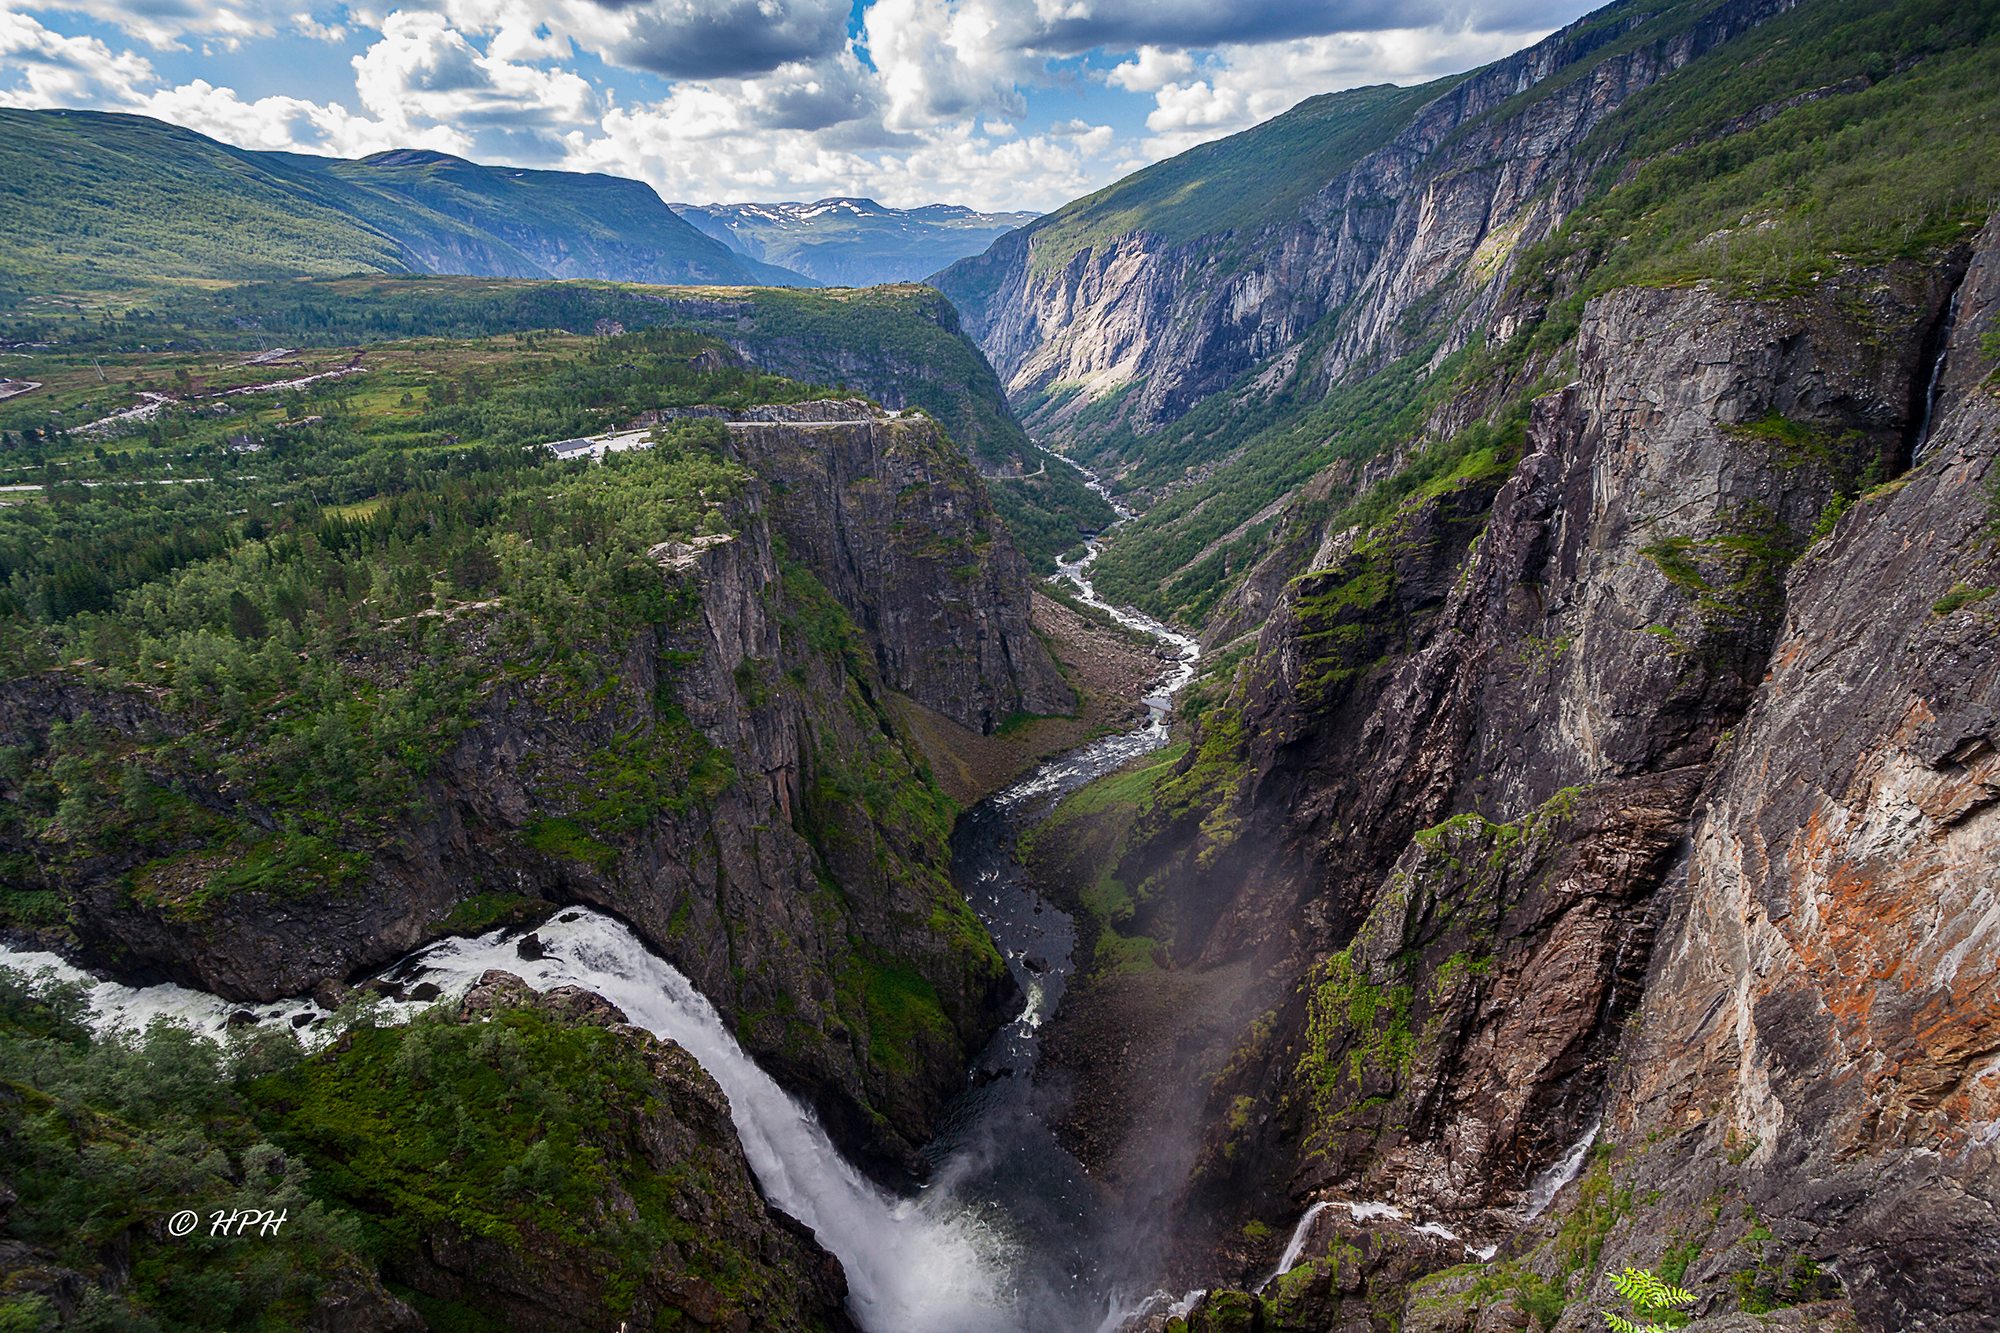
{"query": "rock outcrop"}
[(739, 1264), (893, 520), (1826, 1000)]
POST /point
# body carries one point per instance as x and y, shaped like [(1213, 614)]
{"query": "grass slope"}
[(98, 200)]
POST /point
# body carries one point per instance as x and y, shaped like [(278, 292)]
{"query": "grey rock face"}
[(1826, 993), (894, 521)]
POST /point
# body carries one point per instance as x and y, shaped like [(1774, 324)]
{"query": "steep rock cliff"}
[(903, 347), (1679, 661), (1512, 474), (1826, 998), (895, 523)]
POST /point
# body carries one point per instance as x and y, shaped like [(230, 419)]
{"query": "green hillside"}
[(98, 201), (95, 200), (1236, 184), (561, 224)]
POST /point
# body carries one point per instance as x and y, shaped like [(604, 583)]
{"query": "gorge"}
[(1455, 757)]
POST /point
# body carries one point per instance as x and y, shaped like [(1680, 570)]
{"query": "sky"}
[(999, 104)]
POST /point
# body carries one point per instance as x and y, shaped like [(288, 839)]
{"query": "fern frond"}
[(1649, 1293)]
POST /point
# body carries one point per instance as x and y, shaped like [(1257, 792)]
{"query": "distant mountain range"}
[(96, 199), (853, 242)]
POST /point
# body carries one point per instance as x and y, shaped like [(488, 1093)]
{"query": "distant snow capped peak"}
[(851, 239)]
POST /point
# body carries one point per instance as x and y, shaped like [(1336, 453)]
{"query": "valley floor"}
[(1108, 667)]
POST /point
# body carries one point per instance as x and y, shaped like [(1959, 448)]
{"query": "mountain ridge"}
[(191, 207)]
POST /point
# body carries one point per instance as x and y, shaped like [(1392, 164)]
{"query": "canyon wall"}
[(1645, 800), (1431, 211)]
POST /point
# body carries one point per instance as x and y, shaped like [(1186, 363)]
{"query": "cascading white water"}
[(1920, 441), (1543, 1189), (1366, 1210), (912, 1264), (1077, 574), (1162, 1303), (1296, 1246), (115, 1007)]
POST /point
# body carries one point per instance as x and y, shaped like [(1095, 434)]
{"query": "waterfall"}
[(913, 1265), (1296, 1246), (1544, 1188), (1163, 1303), (1366, 1210), (1002, 1241), (1921, 439)]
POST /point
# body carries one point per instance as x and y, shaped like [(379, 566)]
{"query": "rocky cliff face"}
[(1430, 213), (895, 523), (798, 872), (1600, 768), (1825, 995), (1645, 784)]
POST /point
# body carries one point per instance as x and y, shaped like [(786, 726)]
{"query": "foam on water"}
[(1544, 1188), (115, 1007)]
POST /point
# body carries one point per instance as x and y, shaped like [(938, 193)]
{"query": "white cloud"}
[(53, 69), (673, 38), (1247, 84), (290, 123), (929, 100), (308, 26), (1153, 69), (423, 69), (162, 24), (700, 146), (427, 85), (942, 59), (1069, 26)]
